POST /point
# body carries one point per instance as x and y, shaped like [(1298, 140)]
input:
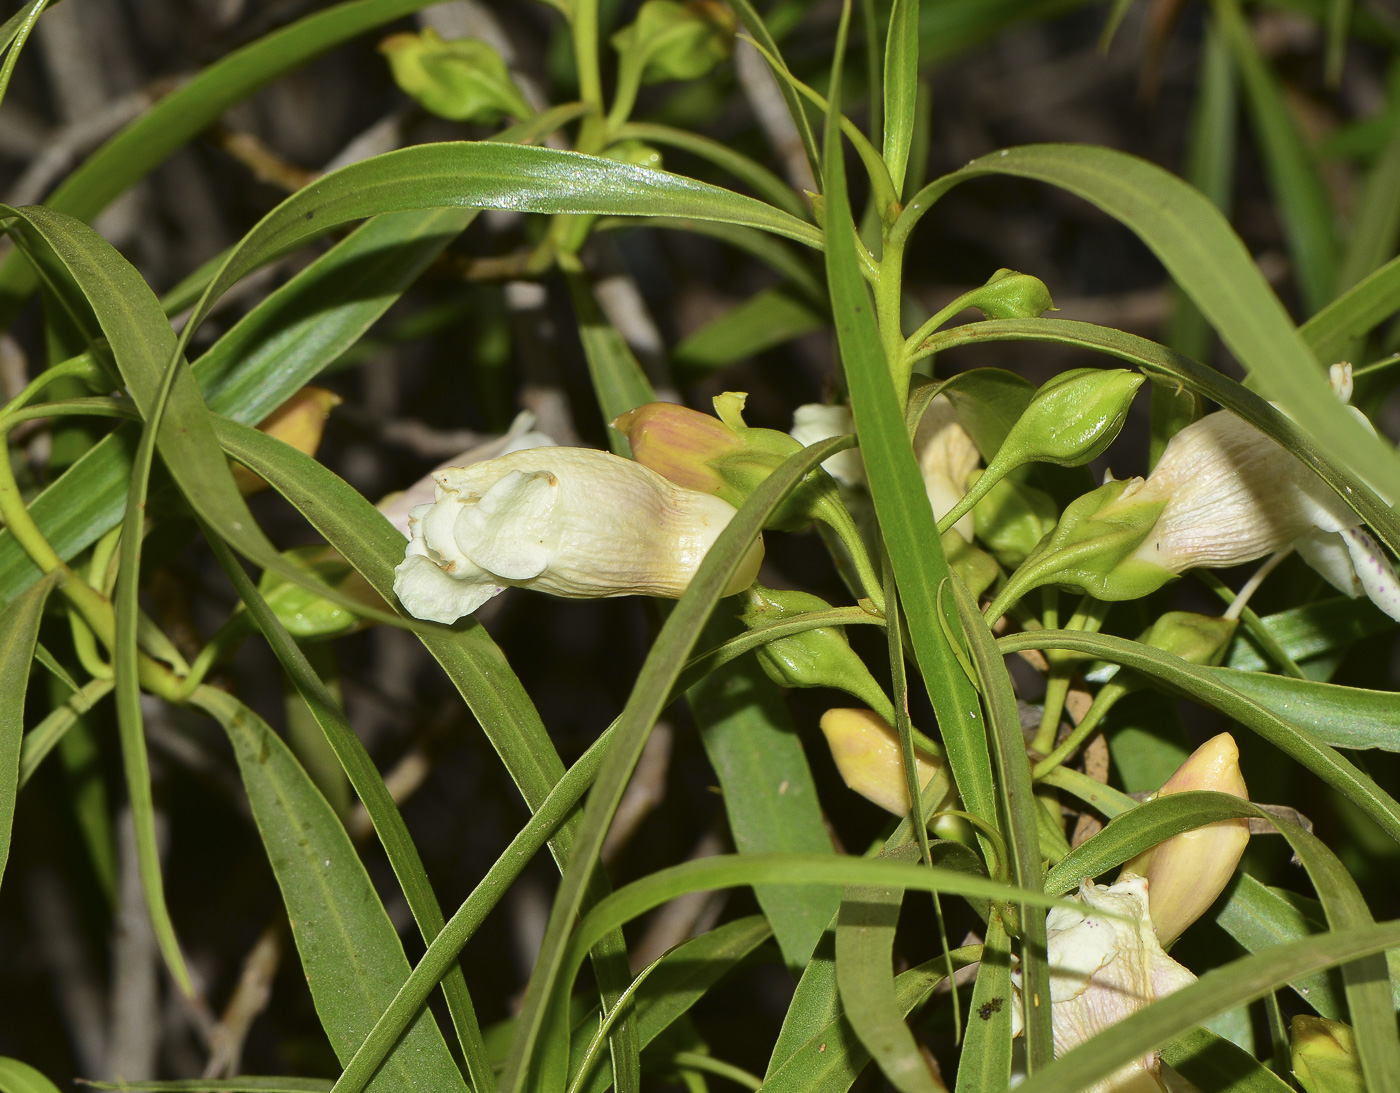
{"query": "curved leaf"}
[(19, 631)]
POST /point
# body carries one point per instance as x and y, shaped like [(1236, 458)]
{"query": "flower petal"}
[(428, 593), (513, 530), (1374, 570)]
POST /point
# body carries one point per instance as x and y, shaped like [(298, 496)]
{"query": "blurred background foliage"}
[(1286, 113)]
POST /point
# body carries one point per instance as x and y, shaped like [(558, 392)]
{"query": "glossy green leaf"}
[(244, 1084), (1206, 258), (1293, 739), (984, 1065), (1020, 811), (1345, 717), (1355, 313), (19, 631), (1258, 917), (1210, 1062), (351, 954)]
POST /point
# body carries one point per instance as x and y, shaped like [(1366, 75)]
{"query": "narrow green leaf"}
[(1304, 207), (351, 954), (619, 384), (865, 976), (1376, 222), (831, 1057), (684, 976), (901, 506), (768, 793), (19, 631), (244, 1084), (1258, 916), (1345, 717), (44, 737), (766, 319), (901, 87), (1206, 258), (1355, 313), (1294, 740), (1020, 809), (1210, 1062), (984, 1065), (369, 786)]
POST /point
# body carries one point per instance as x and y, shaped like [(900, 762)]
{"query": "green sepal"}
[(307, 616), (1011, 295), (1324, 1056)]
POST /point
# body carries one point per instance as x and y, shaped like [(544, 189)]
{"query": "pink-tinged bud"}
[(678, 443), (299, 421), (867, 754), (1186, 872)]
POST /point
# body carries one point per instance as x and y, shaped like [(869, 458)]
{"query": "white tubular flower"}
[(520, 436), (1234, 495), (574, 522), (947, 457), (1104, 969), (814, 422)]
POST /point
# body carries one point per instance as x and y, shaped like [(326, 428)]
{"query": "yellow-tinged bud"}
[(300, 422), (678, 443), (1324, 1056), (867, 754), (1186, 872)]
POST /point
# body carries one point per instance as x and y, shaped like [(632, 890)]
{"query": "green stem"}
[(838, 519), (888, 306), (590, 79), (1103, 702)]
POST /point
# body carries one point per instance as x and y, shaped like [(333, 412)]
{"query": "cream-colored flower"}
[(1104, 969), (1234, 495), (574, 522), (815, 422), (520, 436), (947, 458)]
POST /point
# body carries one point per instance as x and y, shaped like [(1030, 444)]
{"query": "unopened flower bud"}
[(725, 457), (678, 443), (573, 522), (867, 753), (1186, 872), (820, 657), (675, 41), (1011, 295), (300, 422), (1072, 419), (1324, 1056), (1092, 549), (463, 79)]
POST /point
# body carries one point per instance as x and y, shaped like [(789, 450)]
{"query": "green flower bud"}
[(463, 79), (1011, 295), (1324, 1056), (724, 457), (1012, 519), (1069, 421), (1091, 549), (675, 41), (814, 658), (1196, 639), (306, 615), (635, 153)]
